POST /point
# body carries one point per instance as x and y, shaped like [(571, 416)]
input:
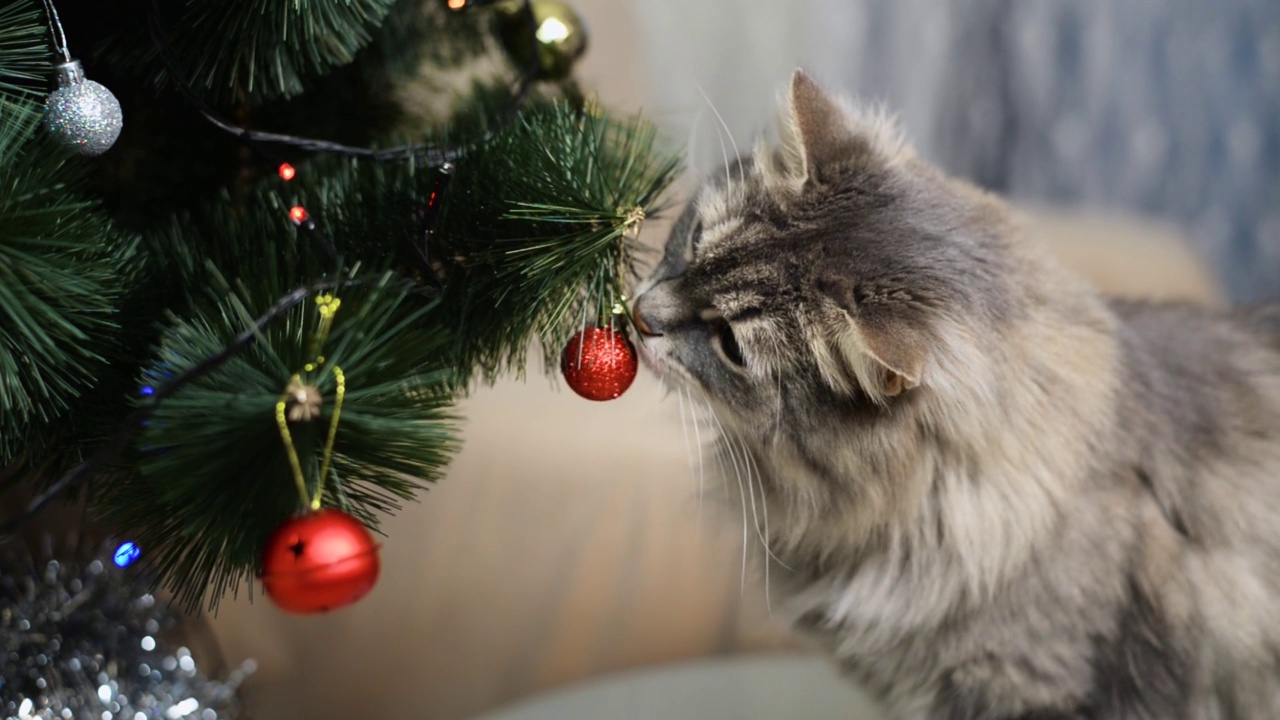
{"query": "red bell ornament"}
[(599, 363), (320, 561)]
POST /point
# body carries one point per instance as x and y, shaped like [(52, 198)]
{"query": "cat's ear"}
[(886, 348), (899, 352), (822, 128), (823, 137)]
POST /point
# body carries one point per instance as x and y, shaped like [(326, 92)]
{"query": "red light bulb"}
[(298, 214), (287, 171)]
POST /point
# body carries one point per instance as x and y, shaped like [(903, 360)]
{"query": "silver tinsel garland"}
[(85, 639)]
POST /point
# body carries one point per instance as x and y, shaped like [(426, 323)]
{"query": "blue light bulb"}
[(126, 554)]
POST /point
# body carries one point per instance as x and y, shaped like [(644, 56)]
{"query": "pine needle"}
[(24, 51), (61, 278)]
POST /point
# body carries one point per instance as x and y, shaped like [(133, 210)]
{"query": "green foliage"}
[(168, 156), (364, 208), (62, 271), (416, 32), (532, 240), (214, 478), (534, 237), (368, 212), (24, 50), (257, 49)]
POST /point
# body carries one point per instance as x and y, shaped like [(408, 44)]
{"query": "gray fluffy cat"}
[(998, 494)]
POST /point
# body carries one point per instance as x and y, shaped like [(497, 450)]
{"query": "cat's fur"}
[(999, 495)]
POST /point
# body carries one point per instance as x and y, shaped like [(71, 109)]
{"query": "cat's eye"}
[(727, 342)]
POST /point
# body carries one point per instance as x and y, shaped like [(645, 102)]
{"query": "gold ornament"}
[(303, 402), (561, 36)]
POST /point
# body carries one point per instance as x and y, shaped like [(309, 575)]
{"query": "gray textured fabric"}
[(1169, 108)]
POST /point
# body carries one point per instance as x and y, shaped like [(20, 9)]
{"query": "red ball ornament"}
[(599, 363), (320, 561)]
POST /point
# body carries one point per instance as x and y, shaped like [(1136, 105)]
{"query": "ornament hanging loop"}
[(328, 306), (631, 221), (300, 395), (58, 34), (282, 422), (326, 460)]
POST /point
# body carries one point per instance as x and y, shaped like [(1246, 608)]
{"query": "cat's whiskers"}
[(726, 447), (752, 466), (696, 473), (733, 440), (721, 132), (764, 542), (690, 147), (747, 491), (664, 388), (764, 507), (764, 510), (777, 414), (742, 497)]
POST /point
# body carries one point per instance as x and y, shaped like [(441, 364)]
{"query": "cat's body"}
[(996, 494)]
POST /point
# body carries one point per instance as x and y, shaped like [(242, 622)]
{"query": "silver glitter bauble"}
[(83, 115)]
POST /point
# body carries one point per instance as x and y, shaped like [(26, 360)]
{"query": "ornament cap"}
[(69, 73)]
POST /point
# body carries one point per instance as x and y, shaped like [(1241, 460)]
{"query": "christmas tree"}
[(251, 253)]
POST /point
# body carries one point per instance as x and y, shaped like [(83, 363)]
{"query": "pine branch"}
[(538, 231), (254, 49), (366, 209), (62, 271), (125, 433), (532, 241), (24, 50), (214, 478)]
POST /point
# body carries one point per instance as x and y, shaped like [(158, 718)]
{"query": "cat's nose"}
[(637, 319)]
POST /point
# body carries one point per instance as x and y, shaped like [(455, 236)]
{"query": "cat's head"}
[(892, 348), (830, 275)]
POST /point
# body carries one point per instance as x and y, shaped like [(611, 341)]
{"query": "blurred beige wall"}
[(568, 540)]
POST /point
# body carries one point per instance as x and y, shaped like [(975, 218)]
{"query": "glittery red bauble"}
[(319, 562), (599, 363)]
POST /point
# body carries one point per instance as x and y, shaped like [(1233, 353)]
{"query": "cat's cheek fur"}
[(656, 354), (678, 361)]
